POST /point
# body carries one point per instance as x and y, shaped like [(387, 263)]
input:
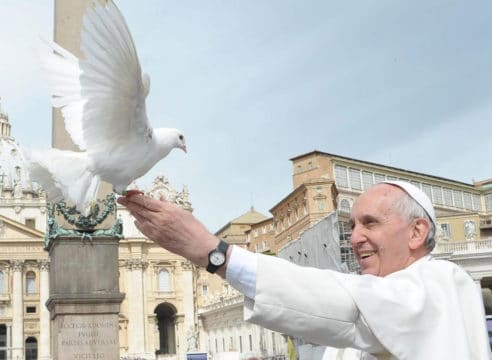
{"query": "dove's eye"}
[(181, 137)]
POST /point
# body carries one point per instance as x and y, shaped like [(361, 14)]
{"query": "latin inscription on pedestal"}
[(87, 337)]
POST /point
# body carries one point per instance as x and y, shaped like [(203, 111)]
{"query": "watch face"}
[(217, 258)]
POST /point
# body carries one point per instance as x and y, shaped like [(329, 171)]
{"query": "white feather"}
[(64, 174)]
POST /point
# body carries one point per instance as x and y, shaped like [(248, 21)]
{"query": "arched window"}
[(2, 283), (30, 282), (165, 314), (164, 281), (31, 348)]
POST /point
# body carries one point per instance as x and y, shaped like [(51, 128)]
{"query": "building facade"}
[(225, 335), (261, 236), (222, 331), (170, 306), (158, 316), (323, 183), (463, 211)]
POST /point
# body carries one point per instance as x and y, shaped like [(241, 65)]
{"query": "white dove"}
[(102, 99)]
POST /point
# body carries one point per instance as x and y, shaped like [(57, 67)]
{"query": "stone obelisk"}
[(84, 300)]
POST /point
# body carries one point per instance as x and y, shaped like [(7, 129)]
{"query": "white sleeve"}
[(241, 271), (308, 303)]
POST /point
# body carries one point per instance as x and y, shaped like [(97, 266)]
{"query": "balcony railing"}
[(467, 247)]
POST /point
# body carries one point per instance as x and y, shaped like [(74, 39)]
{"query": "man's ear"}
[(421, 228)]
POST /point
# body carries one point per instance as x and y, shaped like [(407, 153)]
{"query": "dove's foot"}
[(129, 193)]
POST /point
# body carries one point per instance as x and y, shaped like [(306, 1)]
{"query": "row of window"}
[(163, 281), (284, 222), (264, 246), (309, 166), (31, 345), (488, 202), (356, 179), (264, 230), (232, 346), (30, 283)]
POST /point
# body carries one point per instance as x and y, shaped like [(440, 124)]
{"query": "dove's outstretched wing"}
[(102, 96)]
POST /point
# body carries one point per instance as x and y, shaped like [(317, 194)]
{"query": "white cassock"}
[(430, 310)]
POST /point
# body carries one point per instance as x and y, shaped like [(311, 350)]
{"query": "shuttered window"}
[(30, 283), (163, 280)]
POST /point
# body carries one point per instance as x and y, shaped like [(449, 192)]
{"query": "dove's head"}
[(169, 138)]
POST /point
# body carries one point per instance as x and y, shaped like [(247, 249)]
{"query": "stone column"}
[(9, 341), (136, 311), (17, 311), (44, 314), (189, 307), (180, 332)]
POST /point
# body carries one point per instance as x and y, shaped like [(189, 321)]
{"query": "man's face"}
[(380, 235)]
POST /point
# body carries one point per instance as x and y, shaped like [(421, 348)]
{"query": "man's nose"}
[(357, 236)]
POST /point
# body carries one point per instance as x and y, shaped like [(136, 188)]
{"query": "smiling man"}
[(405, 305), (390, 228)]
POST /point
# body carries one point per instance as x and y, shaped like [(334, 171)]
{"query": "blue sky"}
[(254, 83)]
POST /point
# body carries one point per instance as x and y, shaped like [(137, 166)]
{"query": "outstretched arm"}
[(173, 228), (288, 298)]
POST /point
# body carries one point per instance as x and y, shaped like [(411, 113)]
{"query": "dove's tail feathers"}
[(62, 71), (64, 174), (41, 175)]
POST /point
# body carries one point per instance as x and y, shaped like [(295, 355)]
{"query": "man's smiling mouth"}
[(366, 254)]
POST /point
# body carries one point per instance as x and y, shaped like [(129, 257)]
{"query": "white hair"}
[(411, 209)]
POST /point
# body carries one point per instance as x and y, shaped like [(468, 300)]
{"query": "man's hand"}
[(172, 227)]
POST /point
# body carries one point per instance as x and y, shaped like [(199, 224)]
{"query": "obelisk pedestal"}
[(84, 298)]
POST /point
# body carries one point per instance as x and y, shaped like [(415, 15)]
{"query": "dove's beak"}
[(184, 148)]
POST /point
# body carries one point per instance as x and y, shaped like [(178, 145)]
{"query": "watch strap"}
[(222, 247)]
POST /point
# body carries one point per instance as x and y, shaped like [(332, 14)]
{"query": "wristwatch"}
[(217, 257)]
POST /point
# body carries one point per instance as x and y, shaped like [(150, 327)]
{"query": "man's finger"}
[(143, 201), (139, 217), (144, 228)]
